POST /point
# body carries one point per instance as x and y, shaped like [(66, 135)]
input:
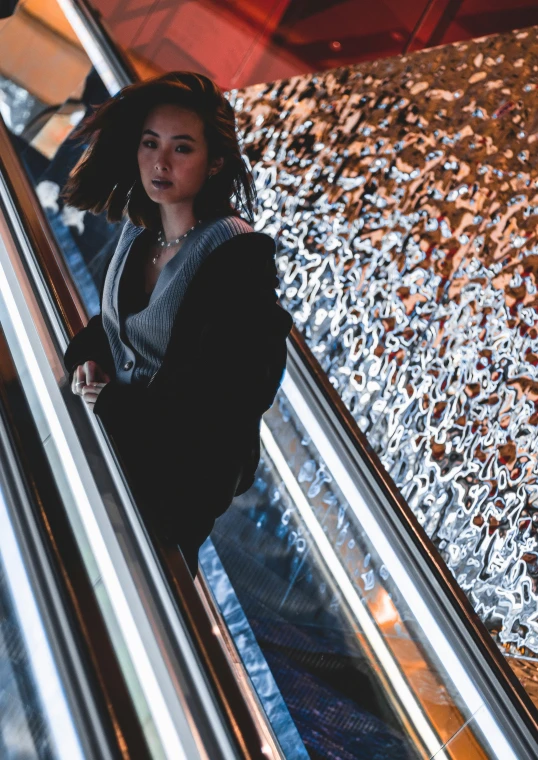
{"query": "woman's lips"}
[(161, 184)]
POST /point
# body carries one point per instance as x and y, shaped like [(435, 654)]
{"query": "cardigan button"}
[(128, 364)]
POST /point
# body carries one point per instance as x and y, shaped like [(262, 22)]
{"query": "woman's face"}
[(173, 155)]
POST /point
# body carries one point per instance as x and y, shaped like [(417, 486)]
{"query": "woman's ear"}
[(216, 165)]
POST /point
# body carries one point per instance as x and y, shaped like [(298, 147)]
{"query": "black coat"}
[(190, 440)]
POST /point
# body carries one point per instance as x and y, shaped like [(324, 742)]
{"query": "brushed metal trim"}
[(429, 572)]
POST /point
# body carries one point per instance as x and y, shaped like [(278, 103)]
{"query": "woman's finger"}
[(90, 369), (78, 381), (90, 393), (82, 374)]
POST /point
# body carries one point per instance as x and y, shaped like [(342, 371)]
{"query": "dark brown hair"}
[(107, 178)]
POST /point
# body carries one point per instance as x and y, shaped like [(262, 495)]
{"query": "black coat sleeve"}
[(90, 343)]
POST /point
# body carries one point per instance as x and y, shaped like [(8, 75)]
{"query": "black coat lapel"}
[(121, 283), (227, 270)]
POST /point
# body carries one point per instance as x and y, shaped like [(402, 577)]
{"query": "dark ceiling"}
[(240, 42)]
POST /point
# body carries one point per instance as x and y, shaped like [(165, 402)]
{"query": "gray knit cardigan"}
[(138, 340)]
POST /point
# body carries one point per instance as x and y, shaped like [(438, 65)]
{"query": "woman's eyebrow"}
[(175, 137)]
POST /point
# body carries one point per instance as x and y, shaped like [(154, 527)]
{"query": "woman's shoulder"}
[(246, 256), (234, 237), (129, 232), (225, 227)]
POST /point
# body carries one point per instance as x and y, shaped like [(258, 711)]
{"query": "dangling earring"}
[(136, 190)]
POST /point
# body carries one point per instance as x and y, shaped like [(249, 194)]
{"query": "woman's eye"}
[(184, 148), (148, 143)]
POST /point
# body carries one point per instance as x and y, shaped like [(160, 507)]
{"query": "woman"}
[(189, 348)]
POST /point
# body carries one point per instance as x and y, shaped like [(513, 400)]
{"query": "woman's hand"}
[(90, 393), (88, 381)]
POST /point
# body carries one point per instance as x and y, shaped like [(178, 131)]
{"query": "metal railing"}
[(481, 669), (182, 698)]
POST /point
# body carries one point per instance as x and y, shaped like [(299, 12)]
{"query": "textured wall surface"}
[(404, 197)]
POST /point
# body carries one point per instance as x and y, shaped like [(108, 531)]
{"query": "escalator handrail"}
[(428, 569), (430, 572), (61, 589), (67, 321), (233, 702), (71, 310), (111, 64)]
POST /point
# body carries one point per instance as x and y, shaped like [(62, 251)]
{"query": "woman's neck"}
[(176, 220)]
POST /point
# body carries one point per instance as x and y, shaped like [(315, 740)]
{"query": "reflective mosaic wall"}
[(404, 198)]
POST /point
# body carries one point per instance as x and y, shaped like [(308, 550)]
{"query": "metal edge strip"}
[(437, 585)]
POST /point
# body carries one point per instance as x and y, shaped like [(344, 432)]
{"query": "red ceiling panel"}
[(240, 42), (477, 18)]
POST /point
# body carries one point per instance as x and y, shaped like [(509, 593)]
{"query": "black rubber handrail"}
[(429, 571), (72, 316), (73, 620), (443, 588)]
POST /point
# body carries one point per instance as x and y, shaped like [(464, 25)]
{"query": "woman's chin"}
[(163, 197)]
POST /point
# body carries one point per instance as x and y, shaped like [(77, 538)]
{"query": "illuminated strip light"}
[(47, 680), (440, 644), (91, 48), (375, 639), (113, 85), (157, 704)]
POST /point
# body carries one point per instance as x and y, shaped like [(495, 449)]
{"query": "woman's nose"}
[(161, 164)]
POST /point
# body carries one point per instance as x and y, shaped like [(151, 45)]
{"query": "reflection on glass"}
[(335, 638), (355, 667), (41, 104), (34, 718), (415, 294)]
